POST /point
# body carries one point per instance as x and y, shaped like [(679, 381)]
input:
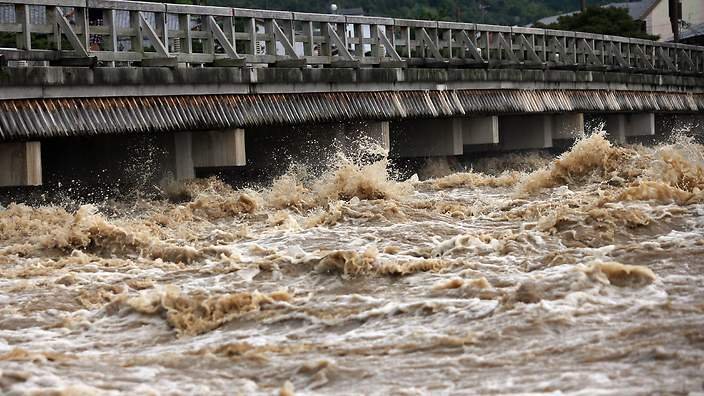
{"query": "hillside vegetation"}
[(502, 12)]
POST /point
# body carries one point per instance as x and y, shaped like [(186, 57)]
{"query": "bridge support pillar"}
[(480, 130), (207, 149), (221, 148), (375, 131), (525, 132), (427, 138), (20, 164), (621, 126), (183, 156), (567, 126)]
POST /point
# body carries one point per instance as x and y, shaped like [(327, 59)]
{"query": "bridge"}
[(83, 82)]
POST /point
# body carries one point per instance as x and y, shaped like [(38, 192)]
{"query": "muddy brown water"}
[(581, 274)]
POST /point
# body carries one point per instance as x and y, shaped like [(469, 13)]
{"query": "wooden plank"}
[(365, 20), (469, 45), (390, 49), (62, 3), (24, 38), (492, 28), (589, 36), (456, 25), (284, 40), (416, 23), (198, 10), (10, 28), (124, 56), (127, 5), (261, 14), (152, 36), (341, 46), (525, 30), (219, 35), (558, 33), (39, 55), (429, 43), (71, 35), (304, 16)]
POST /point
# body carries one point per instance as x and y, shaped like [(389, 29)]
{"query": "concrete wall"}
[(621, 126), (67, 82), (658, 20), (426, 138), (525, 132), (567, 126), (20, 164), (480, 130), (206, 149), (219, 148)]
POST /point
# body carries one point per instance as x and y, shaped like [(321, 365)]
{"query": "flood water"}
[(578, 274)]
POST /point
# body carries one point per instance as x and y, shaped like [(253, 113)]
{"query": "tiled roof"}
[(636, 9)]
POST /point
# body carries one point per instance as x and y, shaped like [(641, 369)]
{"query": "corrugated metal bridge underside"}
[(42, 118)]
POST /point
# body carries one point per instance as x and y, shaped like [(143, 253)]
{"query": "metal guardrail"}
[(115, 32)]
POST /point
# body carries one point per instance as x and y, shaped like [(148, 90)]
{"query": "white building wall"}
[(692, 12), (658, 21)]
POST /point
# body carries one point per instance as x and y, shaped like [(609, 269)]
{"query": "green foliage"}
[(610, 20), (500, 12)]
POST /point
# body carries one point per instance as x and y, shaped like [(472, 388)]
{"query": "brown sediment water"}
[(525, 274)]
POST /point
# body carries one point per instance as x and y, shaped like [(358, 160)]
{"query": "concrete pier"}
[(220, 148), (427, 138), (183, 167), (567, 126), (373, 131), (479, 130), (525, 132), (20, 164), (207, 149), (621, 126)]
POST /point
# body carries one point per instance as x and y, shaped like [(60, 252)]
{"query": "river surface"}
[(578, 274)]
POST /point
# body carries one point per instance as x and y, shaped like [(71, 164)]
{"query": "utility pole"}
[(584, 5), (675, 11)]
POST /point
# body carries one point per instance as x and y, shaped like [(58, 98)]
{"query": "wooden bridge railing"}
[(115, 32)]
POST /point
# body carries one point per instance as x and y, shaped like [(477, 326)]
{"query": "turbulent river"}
[(579, 274)]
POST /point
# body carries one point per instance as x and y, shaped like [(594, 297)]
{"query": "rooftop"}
[(636, 9)]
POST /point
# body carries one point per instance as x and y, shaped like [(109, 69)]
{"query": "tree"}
[(602, 20)]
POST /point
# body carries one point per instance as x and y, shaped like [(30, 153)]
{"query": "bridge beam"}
[(427, 138), (525, 132), (620, 126), (20, 164)]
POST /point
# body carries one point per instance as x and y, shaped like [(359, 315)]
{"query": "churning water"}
[(578, 274)]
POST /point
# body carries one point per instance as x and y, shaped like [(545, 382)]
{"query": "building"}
[(655, 15)]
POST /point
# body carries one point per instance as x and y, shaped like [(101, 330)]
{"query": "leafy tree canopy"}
[(601, 20), (500, 12)]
